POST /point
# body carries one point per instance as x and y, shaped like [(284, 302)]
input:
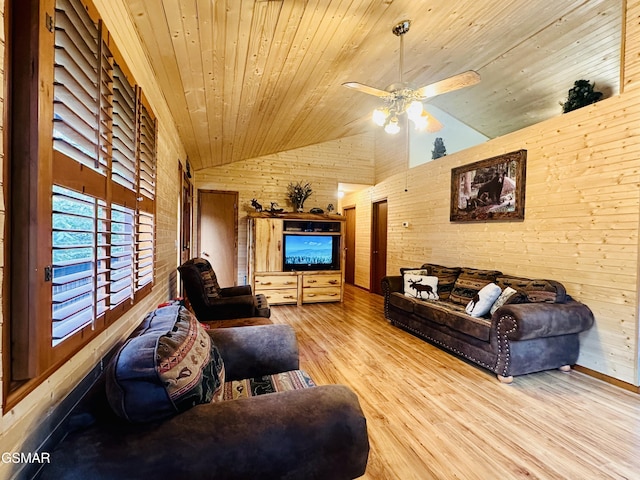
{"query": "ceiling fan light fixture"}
[(380, 116), (421, 123), (414, 110), (392, 127)]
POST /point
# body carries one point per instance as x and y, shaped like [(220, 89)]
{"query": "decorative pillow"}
[(167, 366), (469, 283), (209, 279), (421, 286), (481, 303), (447, 277), (506, 294)]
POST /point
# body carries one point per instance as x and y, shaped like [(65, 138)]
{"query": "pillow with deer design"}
[(481, 303), (422, 287)]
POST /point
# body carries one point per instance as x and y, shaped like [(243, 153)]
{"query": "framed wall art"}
[(491, 189)]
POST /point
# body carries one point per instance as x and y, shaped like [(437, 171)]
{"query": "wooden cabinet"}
[(265, 260), (268, 245)]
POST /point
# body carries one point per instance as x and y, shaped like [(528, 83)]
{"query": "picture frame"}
[(489, 190)]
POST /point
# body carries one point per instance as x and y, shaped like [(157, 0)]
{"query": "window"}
[(84, 167)]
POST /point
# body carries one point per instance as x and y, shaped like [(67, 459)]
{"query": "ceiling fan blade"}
[(361, 87), (465, 79), (434, 124)]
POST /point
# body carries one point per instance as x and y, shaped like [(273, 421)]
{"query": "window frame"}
[(33, 166)]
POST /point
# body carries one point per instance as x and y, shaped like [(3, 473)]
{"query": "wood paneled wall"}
[(24, 427), (581, 222), (266, 178)]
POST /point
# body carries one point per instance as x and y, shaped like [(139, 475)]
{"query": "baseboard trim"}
[(608, 379)]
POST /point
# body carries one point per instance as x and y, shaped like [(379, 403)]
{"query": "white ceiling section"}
[(247, 78)]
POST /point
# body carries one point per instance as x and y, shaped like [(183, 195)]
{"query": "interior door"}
[(218, 233), (378, 245), (350, 245)]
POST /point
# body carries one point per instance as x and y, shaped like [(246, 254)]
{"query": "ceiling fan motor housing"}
[(401, 28)]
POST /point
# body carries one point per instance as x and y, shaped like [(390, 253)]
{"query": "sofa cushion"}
[(447, 277), (414, 270), (404, 303), (420, 286), (279, 382), (168, 365), (480, 304), (516, 283), (453, 316), (469, 283), (548, 291)]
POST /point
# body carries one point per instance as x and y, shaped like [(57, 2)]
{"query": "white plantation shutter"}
[(74, 269), (122, 233), (77, 85), (124, 131), (147, 154), (144, 249), (103, 237)]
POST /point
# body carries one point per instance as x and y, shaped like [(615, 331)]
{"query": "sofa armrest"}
[(392, 284), (235, 291), (524, 321), (317, 432), (249, 352)]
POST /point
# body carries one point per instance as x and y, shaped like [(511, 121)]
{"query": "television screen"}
[(311, 252)]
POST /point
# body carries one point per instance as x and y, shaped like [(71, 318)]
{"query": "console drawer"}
[(321, 294), (281, 296), (331, 280), (275, 281)]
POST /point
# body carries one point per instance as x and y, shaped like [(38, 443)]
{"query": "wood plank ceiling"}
[(246, 78)]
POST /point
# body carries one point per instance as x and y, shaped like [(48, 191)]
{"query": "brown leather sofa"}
[(537, 329)]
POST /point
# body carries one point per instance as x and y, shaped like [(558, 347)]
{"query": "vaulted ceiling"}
[(246, 78)]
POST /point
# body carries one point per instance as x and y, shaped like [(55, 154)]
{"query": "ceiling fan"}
[(402, 97)]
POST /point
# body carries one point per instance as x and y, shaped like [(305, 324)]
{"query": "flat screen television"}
[(311, 252)]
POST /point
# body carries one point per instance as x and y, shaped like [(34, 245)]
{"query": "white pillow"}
[(481, 304), (421, 286), (506, 294)]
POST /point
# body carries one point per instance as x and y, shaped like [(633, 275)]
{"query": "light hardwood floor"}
[(431, 415)]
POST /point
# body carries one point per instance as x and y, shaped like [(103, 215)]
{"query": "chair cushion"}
[(167, 366), (209, 279)]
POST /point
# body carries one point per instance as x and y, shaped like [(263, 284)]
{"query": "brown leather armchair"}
[(211, 302)]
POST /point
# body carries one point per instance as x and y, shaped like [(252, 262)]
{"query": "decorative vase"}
[(300, 206)]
